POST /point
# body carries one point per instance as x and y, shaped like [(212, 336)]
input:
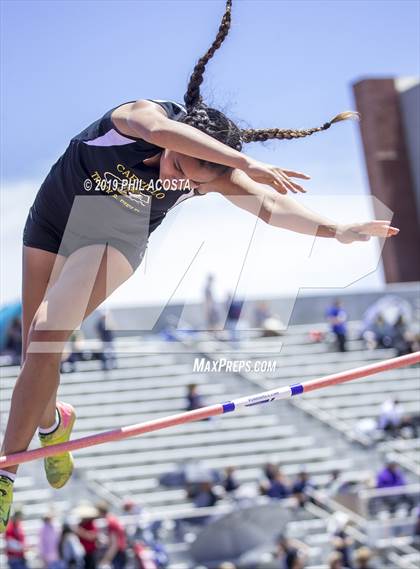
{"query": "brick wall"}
[(389, 174)]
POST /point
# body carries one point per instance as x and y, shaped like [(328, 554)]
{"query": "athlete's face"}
[(180, 168)]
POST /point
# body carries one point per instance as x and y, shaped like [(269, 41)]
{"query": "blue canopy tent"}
[(7, 313)]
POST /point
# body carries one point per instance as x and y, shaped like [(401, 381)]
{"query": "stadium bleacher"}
[(315, 432)]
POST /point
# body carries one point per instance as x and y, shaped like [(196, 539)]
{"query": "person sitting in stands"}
[(335, 561), (391, 476), (394, 422), (230, 483), (16, 542), (301, 487), (290, 553), (362, 559), (379, 334), (194, 399), (402, 339), (279, 487)]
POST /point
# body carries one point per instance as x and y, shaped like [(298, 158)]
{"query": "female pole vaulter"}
[(87, 231)]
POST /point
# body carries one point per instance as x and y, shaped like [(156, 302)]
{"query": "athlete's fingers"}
[(298, 188), (285, 187), (278, 177), (378, 228), (277, 181), (293, 174), (294, 187), (279, 187), (286, 182)]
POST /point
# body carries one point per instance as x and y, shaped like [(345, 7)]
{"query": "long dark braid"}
[(263, 134), (199, 115), (219, 126), (192, 97)]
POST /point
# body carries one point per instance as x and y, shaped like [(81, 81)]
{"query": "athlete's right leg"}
[(84, 282)]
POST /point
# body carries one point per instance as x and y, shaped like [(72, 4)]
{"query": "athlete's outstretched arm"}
[(147, 120), (286, 212)]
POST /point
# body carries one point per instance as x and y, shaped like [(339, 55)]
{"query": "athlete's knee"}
[(56, 314), (45, 338)]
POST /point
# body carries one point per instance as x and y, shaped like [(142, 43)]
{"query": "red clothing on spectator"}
[(89, 545), (114, 526), (15, 540)]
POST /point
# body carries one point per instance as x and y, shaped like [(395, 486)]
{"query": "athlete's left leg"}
[(40, 270)]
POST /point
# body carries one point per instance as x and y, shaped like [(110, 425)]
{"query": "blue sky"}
[(286, 64)]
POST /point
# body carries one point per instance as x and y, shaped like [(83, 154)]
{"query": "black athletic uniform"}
[(99, 191)]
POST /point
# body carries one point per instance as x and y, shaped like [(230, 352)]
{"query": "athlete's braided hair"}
[(218, 125)]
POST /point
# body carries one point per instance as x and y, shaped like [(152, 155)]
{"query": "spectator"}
[(335, 561), (48, 543), (15, 542), (87, 533), (144, 532), (210, 309), (136, 526), (13, 342), (333, 480), (290, 553), (402, 341), (71, 551), (270, 324), (270, 471), (115, 553), (394, 422), (337, 318), (74, 353), (205, 496), (390, 416), (341, 541), (379, 334), (234, 308), (301, 487), (391, 476), (279, 487), (230, 482), (261, 314), (105, 330), (194, 400), (362, 558), (340, 483)]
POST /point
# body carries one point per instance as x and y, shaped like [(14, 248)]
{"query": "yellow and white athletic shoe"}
[(6, 499), (59, 468)]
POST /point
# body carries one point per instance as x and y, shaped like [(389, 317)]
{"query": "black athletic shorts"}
[(93, 220)]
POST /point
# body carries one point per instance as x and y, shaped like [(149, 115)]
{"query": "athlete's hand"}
[(274, 176), (364, 231)]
